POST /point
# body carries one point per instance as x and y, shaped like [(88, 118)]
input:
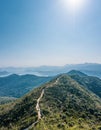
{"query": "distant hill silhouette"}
[(75, 72), (91, 69)]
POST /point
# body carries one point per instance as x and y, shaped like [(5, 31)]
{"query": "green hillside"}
[(16, 86), (65, 105), (89, 82)]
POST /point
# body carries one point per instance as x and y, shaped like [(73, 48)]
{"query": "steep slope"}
[(16, 86), (64, 105), (92, 83)]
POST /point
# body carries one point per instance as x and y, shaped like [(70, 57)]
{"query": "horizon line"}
[(49, 65)]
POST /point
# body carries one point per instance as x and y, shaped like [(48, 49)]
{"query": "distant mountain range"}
[(4, 73), (91, 69), (16, 85), (64, 103)]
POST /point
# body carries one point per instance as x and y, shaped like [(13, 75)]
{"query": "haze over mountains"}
[(4, 73), (17, 85), (92, 69)]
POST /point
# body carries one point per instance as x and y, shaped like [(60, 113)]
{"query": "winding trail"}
[(38, 111), (38, 106)]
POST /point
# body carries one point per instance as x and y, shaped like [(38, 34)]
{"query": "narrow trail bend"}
[(38, 105), (38, 111)]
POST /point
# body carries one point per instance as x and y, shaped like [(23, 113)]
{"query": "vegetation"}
[(66, 105), (16, 86), (89, 82), (4, 100)]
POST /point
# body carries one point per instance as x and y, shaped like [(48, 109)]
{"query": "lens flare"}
[(74, 5)]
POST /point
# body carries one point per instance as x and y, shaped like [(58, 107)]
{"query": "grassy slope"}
[(92, 83), (65, 106), (4, 100)]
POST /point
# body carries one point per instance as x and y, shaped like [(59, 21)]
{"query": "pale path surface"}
[(38, 111), (38, 105), (53, 83)]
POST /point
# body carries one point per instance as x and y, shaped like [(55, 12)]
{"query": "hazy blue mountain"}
[(90, 69), (16, 86), (4, 73)]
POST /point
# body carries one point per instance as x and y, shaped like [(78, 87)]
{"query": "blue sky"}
[(42, 32)]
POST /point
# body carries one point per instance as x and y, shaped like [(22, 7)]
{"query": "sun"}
[(74, 5)]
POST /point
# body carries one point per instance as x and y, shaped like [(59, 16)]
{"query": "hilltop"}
[(76, 72)]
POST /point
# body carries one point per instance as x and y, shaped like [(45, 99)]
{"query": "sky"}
[(47, 32)]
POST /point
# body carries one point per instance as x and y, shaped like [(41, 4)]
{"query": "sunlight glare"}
[(74, 6)]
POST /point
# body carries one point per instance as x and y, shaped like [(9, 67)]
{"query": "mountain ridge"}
[(64, 105), (89, 82), (76, 72), (91, 69)]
